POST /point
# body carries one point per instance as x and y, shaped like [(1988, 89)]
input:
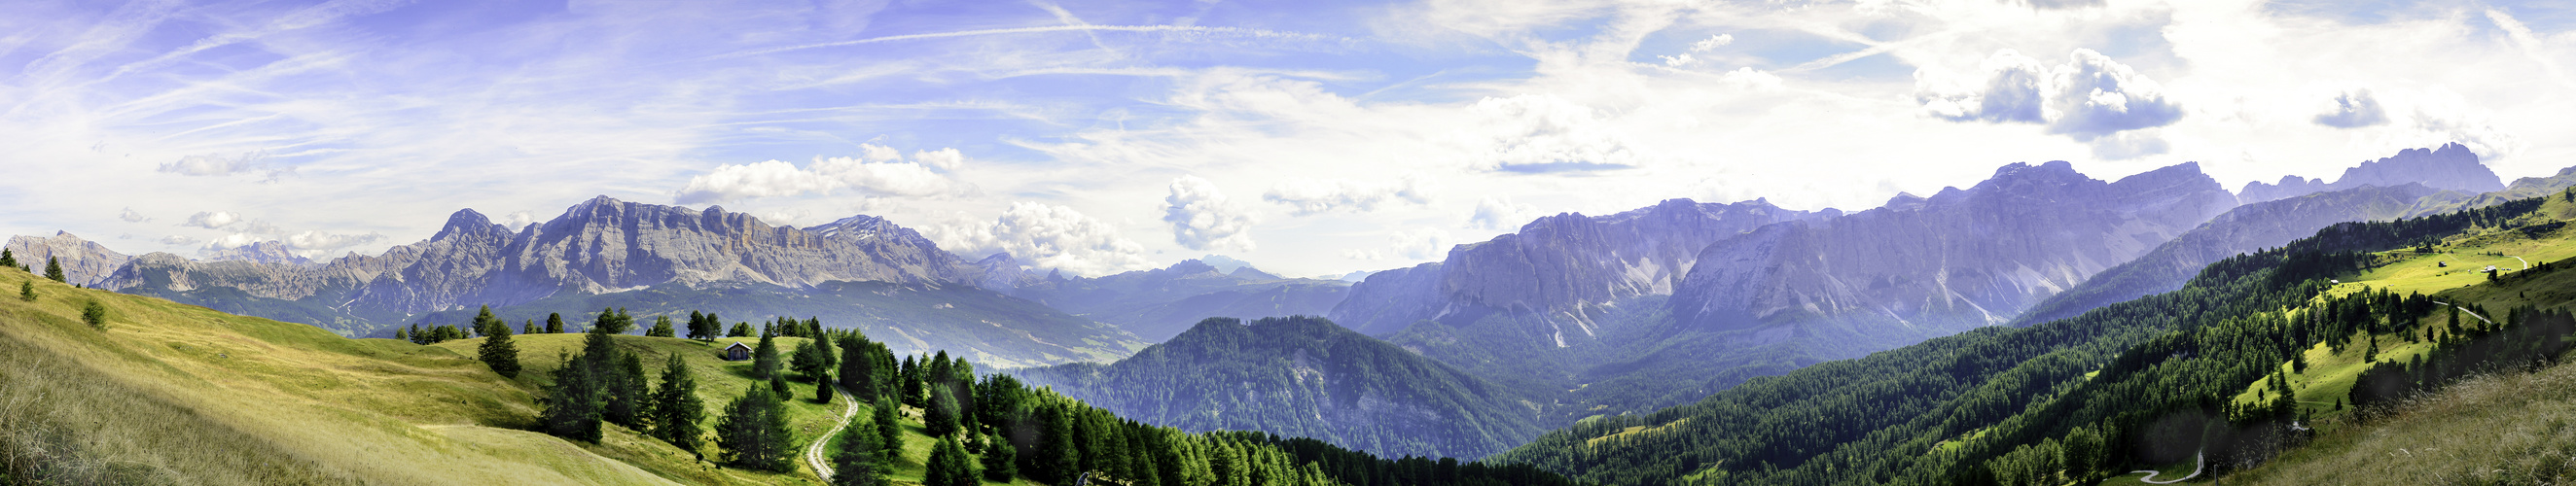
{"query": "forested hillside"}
[(1304, 376), (2145, 383)]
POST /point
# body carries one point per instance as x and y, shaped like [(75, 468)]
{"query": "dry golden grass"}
[(179, 394)]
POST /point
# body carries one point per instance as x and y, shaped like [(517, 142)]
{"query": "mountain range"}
[(1570, 317)]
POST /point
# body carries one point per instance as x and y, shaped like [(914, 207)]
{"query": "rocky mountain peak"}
[(2451, 166), (84, 262), (468, 222)]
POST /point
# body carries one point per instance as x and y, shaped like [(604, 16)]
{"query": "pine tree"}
[(54, 269), (497, 351), (813, 360), (95, 315), (889, 426), (676, 409), (740, 329), (753, 433), (948, 466), (400, 335), (27, 291), (856, 461), (8, 259), (1059, 460), (699, 328), (615, 320), (823, 389), (661, 327), (999, 460), (529, 328), (940, 419), (554, 323)]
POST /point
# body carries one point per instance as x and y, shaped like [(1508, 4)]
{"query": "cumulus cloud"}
[(132, 216), (1544, 133), (1045, 236), (1501, 214), (1312, 196), (2354, 109), (1202, 218), (214, 165), (517, 220), (177, 240), (2089, 97), (318, 242), (877, 171), (234, 240), (212, 219), (1416, 245)]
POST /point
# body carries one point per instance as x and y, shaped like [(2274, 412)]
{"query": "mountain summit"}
[(2452, 167)]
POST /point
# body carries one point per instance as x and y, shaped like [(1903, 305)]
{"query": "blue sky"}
[(1310, 138)]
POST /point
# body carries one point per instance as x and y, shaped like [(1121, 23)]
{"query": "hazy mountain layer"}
[(1303, 377), (1158, 304)]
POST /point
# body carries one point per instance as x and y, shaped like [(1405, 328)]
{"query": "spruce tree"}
[(572, 404), (27, 291), (911, 376), (699, 328), (764, 358), (54, 269), (8, 259), (823, 389), (949, 466), (857, 373), (400, 335), (812, 360), (740, 329), (554, 323), (529, 328), (1000, 460), (95, 315), (889, 424), (676, 408), (940, 419), (497, 351), (661, 327), (856, 462), (753, 433), (630, 399), (615, 320)]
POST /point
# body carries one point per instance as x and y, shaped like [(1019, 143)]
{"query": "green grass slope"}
[(176, 394)]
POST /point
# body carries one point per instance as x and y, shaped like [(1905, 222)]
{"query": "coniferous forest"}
[(2126, 386)]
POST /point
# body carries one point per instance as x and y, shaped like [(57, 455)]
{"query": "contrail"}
[(1026, 30)]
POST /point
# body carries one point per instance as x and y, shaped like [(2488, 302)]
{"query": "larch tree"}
[(54, 270), (753, 433), (497, 351)]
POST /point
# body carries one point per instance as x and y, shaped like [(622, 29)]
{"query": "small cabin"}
[(737, 352)]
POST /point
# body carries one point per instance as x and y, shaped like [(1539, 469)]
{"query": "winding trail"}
[(2526, 264), (814, 453), (2466, 311), (2196, 465)]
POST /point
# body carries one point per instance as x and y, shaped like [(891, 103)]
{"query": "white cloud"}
[(1203, 219), (177, 240), (311, 243), (2353, 109), (2088, 98), (132, 216), (1044, 236), (877, 171), (212, 165), (1312, 196), (1712, 42), (212, 219), (234, 240), (1545, 133), (1421, 244), (1501, 214), (518, 219)]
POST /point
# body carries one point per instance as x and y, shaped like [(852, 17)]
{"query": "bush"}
[(95, 315)]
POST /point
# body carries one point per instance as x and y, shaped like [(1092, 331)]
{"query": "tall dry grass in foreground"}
[(63, 423), (2502, 428)]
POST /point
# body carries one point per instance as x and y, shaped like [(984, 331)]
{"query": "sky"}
[(1307, 137)]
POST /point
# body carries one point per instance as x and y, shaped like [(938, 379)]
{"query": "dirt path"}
[(814, 453), (2196, 465), (2466, 311)]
